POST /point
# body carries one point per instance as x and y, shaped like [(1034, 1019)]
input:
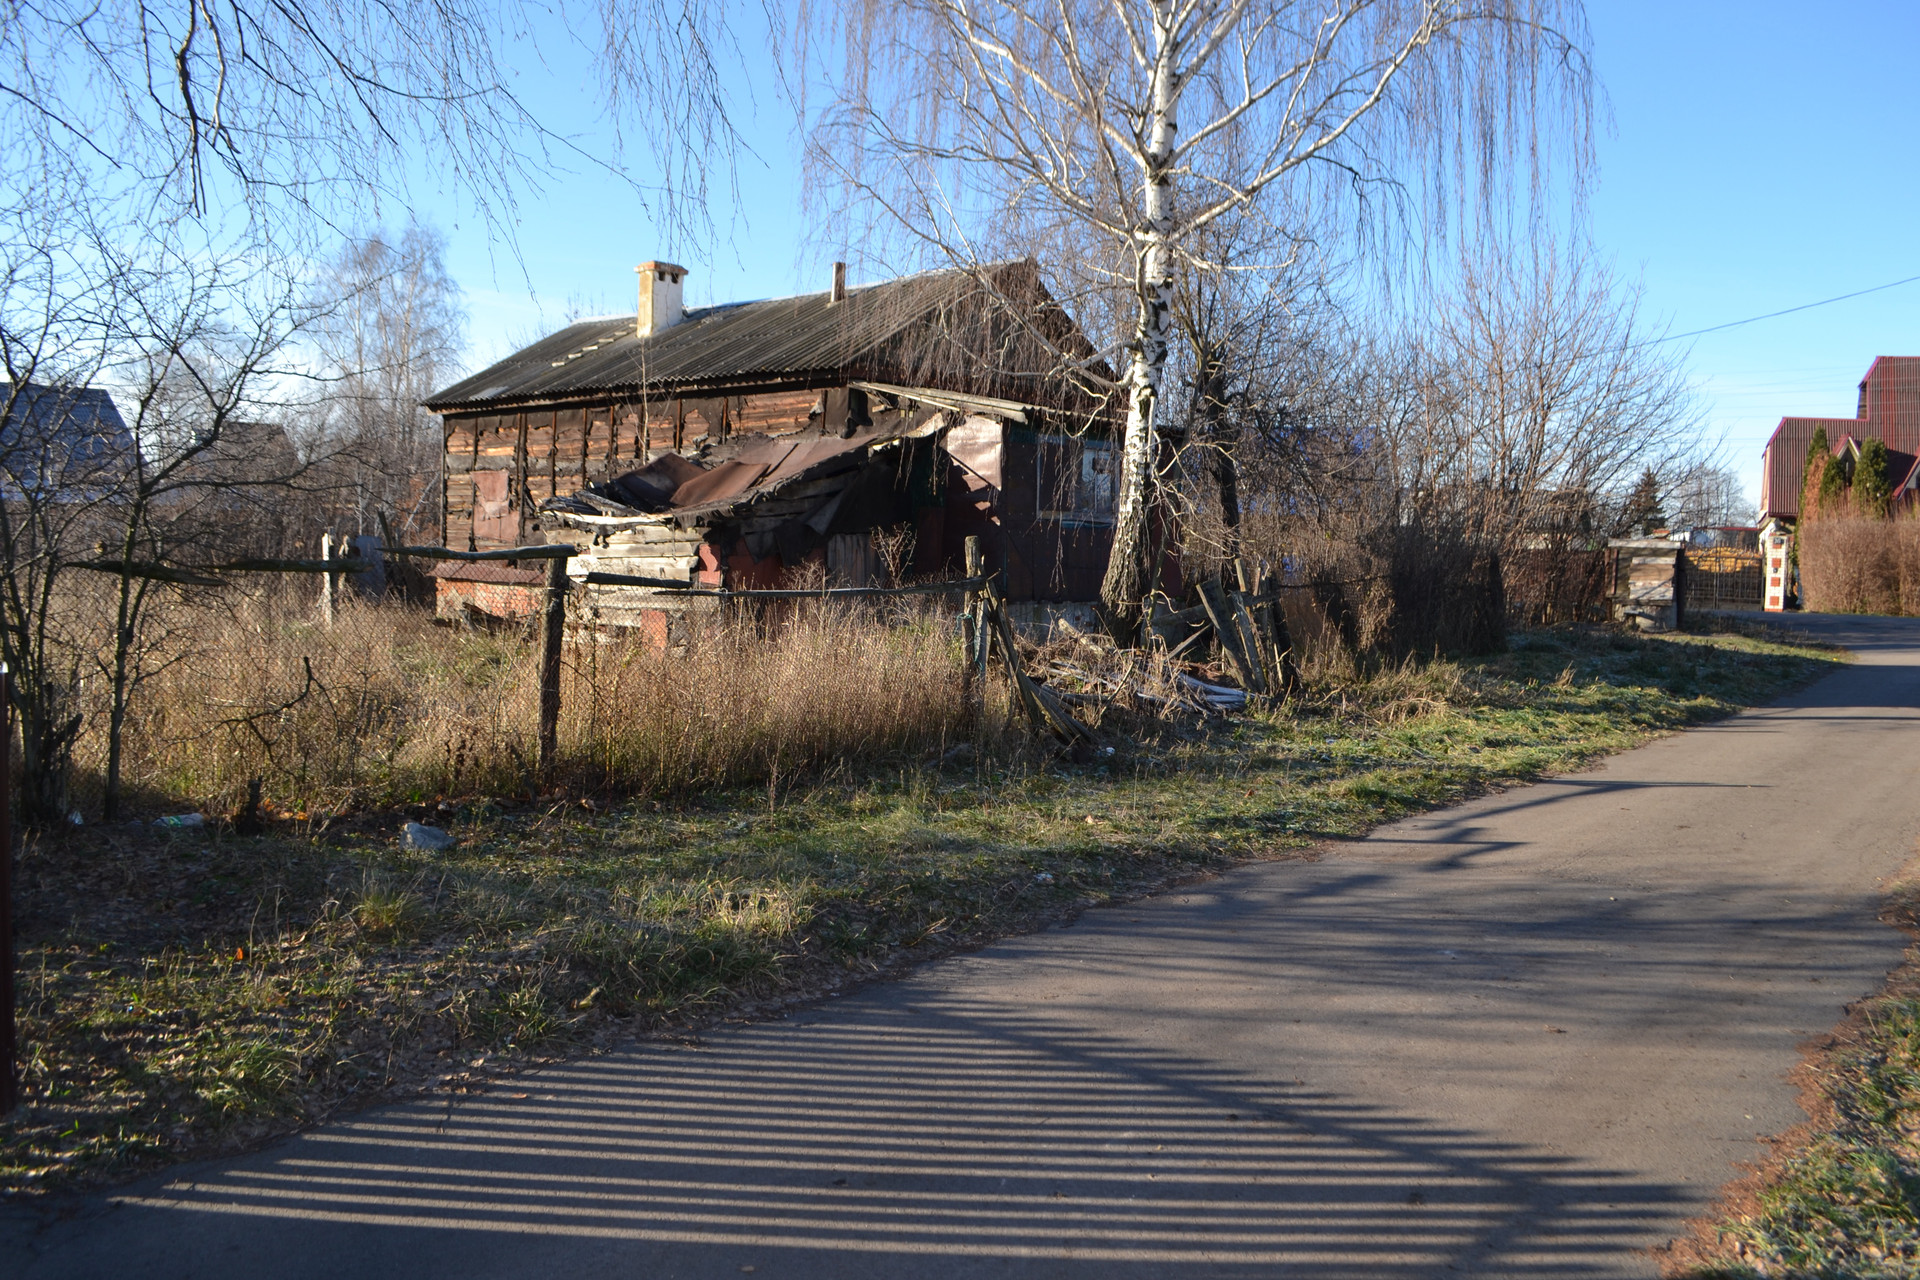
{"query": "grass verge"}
[(194, 993), (1843, 1200)]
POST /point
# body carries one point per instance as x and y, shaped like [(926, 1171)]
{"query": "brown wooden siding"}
[(776, 413), (536, 453)]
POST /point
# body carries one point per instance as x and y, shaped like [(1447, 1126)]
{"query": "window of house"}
[(1076, 479)]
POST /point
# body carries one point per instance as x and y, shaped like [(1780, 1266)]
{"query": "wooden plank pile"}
[(1250, 630)]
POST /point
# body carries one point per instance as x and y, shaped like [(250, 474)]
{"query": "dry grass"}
[(758, 702), (385, 707), (192, 992)]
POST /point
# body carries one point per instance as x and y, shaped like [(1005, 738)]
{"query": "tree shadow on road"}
[(943, 1138)]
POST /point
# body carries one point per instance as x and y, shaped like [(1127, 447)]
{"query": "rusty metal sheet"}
[(976, 445), (652, 487), (811, 455), (727, 481), (784, 462)]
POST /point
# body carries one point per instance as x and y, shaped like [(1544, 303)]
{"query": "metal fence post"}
[(551, 634), (327, 580), (9, 1045)]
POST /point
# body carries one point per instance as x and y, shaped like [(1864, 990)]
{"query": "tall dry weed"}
[(752, 699), (387, 707)]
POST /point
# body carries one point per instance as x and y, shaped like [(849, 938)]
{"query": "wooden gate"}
[(1723, 578)]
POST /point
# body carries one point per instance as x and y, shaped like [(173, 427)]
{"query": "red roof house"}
[(1889, 410)]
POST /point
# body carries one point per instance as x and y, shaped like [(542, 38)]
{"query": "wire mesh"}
[(386, 704)]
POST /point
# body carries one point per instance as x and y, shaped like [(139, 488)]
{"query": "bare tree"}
[(392, 334), (206, 357), (1543, 396), (1706, 493), (300, 112), (62, 450), (1134, 129), (1509, 417), (1235, 352), (147, 493), (163, 167)]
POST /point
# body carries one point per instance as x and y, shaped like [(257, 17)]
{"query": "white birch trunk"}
[(1129, 577)]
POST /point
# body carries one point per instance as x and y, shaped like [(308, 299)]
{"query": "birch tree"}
[(1124, 131)]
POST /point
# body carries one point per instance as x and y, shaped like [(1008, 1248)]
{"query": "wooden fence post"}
[(1279, 638), (1226, 629), (9, 1047), (552, 632), (973, 625)]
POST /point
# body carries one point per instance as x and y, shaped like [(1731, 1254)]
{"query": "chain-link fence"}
[(377, 702)]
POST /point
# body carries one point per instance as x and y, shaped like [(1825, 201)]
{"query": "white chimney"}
[(659, 296)]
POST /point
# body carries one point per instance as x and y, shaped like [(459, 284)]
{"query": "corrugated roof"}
[(1889, 410), (1890, 400), (776, 338), (1784, 461)]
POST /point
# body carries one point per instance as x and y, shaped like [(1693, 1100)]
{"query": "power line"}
[(1805, 306)]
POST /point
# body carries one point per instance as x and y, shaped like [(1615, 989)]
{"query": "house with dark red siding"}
[(1888, 410)]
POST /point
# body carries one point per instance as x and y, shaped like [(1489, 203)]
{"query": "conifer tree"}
[(1813, 475), (1643, 504), (1833, 483), (1871, 486)]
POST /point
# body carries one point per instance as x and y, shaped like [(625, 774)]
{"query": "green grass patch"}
[(190, 994)]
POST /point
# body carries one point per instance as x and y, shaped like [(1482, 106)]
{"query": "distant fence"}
[(1545, 587), (1724, 578), (312, 699)]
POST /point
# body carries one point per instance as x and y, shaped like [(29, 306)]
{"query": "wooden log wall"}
[(552, 451)]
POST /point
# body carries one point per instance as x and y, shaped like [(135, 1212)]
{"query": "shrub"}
[(1852, 563)]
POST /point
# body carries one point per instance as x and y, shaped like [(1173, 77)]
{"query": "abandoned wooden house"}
[(844, 436)]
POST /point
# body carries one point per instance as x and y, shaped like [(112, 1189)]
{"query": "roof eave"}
[(658, 389)]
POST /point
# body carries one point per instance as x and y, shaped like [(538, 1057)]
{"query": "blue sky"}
[(1762, 156), (1756, 156)]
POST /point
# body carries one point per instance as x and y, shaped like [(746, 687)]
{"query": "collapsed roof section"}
[(781, 500), (682, 490), (744, 469)]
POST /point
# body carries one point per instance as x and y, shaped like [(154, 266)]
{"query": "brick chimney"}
[(659, 296), (839, 293)]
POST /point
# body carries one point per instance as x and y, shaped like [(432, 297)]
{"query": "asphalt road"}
[(1527, 1036)]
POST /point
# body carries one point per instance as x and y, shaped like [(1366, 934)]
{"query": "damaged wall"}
[(681, 490), (501, 466)]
